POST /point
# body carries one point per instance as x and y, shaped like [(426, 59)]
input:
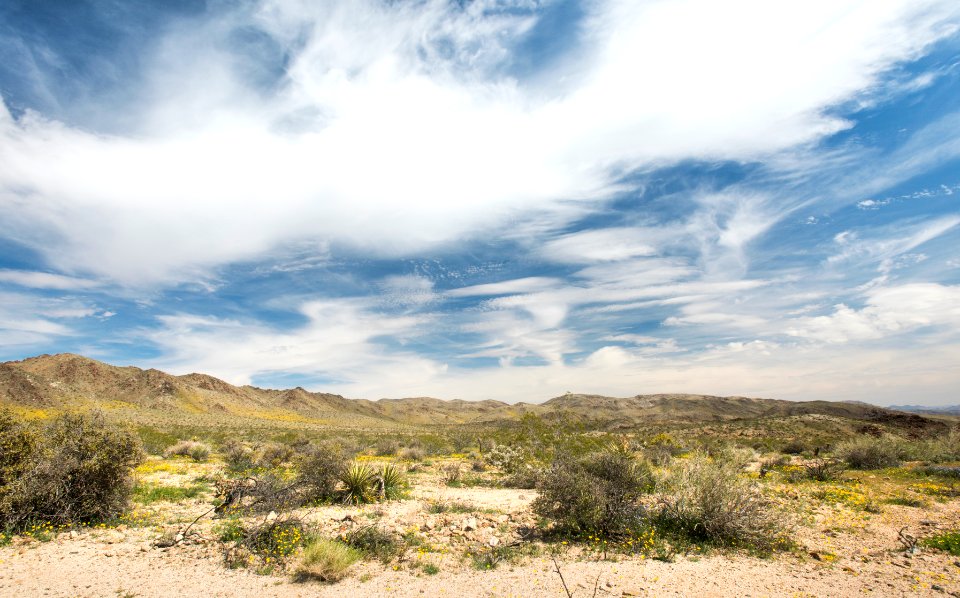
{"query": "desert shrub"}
[(319, 470), (940, 470), (411, 453), (386, 447), (794, 447), (374, 542), (598, 494), (18, 442), (452, 473), (197, 451), (940, 449), (871, 452), (704, 500), (525, 478), (508, 458), (818, 470), (478, 465), (78, 469), (326, 560), (274, 454), (238, 457)]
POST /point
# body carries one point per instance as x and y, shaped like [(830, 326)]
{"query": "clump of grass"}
[(947, 542), (870, 452), (326, 560), (703, 500), (196, 450), (431, 569)]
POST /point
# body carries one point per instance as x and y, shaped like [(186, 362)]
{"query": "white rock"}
[(494, 541)]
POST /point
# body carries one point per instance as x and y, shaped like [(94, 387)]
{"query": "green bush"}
[(871, 452), (77, 469), (704, 500), (594, 495)]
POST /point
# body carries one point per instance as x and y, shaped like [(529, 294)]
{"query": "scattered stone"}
[(272, 516), (470, 524), (494, 541)]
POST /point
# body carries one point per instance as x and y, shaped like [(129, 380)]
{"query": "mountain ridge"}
[(64, 380)]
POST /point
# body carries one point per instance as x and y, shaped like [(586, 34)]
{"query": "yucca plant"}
[(390, 482), (357, 483)]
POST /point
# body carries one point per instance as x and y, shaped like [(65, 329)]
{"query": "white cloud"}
[(888, 311), (378, 139), (340, 341), (45, 280)]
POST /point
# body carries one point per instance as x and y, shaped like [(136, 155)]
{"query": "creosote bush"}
[(75, 469), (705, 500), (594, 495), (870, 452)]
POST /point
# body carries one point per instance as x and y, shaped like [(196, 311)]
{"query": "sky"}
[(489, 200)]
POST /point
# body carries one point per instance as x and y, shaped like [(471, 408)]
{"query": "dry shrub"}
[(197, 451), (452, 473), (274, 454), (597, 494), (319, 470), (707, 501), (411, 453), (870, 452), (76, 469)]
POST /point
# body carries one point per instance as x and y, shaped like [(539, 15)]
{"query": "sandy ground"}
[(841, 555)]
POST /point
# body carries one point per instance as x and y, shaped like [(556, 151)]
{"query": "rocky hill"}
[(67, 380)]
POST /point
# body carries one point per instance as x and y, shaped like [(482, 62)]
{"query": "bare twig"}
[(562, 580)]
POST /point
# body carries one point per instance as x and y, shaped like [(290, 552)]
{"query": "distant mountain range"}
[(945, 410), (52, 382)]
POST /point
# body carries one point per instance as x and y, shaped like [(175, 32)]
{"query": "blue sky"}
[(489, 199)]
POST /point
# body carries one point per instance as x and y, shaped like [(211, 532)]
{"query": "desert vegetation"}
[(331, 506)]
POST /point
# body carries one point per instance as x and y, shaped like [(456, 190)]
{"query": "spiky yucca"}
[(357, 483), (390, 482)]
